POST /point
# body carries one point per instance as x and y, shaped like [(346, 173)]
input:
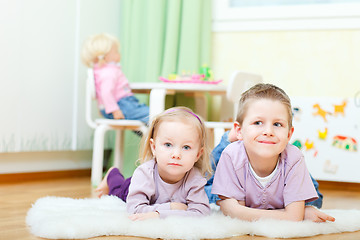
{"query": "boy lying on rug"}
[(263, 176), (152, 194)]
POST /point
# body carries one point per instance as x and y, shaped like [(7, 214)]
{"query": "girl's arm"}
[(107, 80), (142, 191), (231, 207), (197, 202)]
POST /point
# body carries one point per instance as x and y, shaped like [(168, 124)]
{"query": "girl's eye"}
[(167, 144), (257, 123), (187, 147), (277, 124)]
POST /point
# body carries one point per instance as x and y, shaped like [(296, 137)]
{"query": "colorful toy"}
[(330, 167), (207, 72), (296, 113), (340, 109), (323, 134), (297, 143), (309, 144), (345, 143), (205, 76), (321, 112)]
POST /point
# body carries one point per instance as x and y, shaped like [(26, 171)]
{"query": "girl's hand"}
[(118, 114), (144, 216), (178, 206), (315, 215)]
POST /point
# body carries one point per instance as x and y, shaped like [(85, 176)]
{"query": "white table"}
[(158, 92)]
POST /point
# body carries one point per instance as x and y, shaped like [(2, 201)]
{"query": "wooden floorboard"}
[(16, 199), (41, 176)]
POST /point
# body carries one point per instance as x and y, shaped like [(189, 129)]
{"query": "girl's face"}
[(113, 55), (176, 149), (265, 130)]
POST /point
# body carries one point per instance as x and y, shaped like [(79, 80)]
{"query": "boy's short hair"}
[(263, 91)]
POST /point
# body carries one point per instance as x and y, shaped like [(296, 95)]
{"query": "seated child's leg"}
[(118, 185), (106, 115), (133, 109), (318, 202)]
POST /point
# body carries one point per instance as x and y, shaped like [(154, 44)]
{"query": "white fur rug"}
[(67, 218)]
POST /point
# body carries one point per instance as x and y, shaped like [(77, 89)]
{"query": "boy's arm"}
[(231, 207), (315, 215)]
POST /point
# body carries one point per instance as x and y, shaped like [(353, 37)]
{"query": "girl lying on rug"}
[(263, 176), (170, 179)]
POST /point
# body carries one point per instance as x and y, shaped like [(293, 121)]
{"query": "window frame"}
[(294, 17)]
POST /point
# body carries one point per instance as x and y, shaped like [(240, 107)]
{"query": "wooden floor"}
[(16, 199)]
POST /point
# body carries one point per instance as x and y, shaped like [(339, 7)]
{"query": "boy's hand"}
[(118, 114), (315, 215), (144, 216), (178, 206)]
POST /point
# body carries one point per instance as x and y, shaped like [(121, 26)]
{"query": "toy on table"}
[(205, 76), (207, 72)]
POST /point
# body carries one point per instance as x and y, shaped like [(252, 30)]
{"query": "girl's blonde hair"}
[(263, 91), (96, 47), (184, 115)]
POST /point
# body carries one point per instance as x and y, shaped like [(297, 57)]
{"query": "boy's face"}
[(265, 130)]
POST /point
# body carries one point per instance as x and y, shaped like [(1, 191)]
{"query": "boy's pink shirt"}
[(291, 183), (111, 85)]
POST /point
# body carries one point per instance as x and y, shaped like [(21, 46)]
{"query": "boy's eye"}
[(277, 124), (167, 144), (187, 147), (257, 123)]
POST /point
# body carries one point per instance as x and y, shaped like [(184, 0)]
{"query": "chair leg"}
[(98, 154), (156, 102), (118, 149)]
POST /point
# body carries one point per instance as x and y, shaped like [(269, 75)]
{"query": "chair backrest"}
[(90, 96), (238, 83)]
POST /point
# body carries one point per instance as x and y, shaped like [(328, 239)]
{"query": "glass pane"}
[(263, 3)]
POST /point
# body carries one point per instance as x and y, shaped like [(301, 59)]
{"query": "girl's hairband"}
[(173, 110)]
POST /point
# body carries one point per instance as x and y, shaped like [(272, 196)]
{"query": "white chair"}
[(101, 126), (238, 83)]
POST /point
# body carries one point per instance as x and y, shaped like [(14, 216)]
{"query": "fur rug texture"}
[(67, 218)]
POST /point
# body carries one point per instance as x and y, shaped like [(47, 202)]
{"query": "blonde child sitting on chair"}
[(170, 180), (113, 93)]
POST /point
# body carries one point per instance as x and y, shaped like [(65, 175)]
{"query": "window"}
[(253, 15)]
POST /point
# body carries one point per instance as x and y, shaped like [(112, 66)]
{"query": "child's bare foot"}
[(103, 188)]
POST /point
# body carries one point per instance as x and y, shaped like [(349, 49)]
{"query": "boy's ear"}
[(291, 131), (237, 129)]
